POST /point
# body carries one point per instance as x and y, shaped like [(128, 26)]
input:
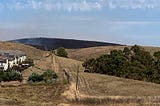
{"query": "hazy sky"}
[(120, 21)]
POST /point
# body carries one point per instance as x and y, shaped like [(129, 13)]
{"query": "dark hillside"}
[(54, 43)]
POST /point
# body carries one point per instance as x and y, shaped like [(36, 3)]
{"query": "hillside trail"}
[(84, 91), (74, 91), (71, 93)]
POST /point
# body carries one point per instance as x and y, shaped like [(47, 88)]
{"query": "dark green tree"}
[(135, 63), (157, 55), (62, 52), (157, 61), (89, 65), (127, 53)]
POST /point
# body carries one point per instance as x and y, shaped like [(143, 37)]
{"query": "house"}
[(21, 56), (9, 58), (12, 60), (4, 63)]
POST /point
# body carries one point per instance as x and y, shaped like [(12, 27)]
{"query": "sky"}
[(119, 21)]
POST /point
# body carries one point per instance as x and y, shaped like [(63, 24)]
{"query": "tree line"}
[(133, 63)]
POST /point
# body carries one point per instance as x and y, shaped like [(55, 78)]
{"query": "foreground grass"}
[(104, 90), (117, 101), (104, 85), (35, 94)]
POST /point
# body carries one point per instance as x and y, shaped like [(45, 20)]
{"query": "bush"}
[(34, 77), (10, 76), (14, 75), (62, 52), (48, 77)]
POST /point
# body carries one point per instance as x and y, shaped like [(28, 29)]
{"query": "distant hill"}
[(54, 43)]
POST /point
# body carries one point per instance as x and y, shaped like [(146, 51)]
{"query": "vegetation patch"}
[(47, 77), (10, 76), (134, 63), (61, 52)]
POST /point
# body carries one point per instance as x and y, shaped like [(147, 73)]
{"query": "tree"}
[(157, 61), (89, 64), (135, 63), (127, 53), (157, 55), (136, 49), (62, 52)]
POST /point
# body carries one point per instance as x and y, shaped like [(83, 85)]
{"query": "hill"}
[(93, 89), (54, 43), (93, 52), (97, 89), (29, 50)]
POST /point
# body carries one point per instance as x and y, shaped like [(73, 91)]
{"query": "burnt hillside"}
[(54, 43)]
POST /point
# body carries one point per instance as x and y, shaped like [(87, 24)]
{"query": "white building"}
[(9, 58), (4, 64)]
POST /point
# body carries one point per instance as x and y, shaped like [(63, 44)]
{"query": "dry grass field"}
[(12, 94), (30, 51), (36, 95), (93, 89), (98, 89)]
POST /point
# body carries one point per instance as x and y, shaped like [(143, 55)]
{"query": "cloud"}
[(133, 4), (49, 5), (80, 5)]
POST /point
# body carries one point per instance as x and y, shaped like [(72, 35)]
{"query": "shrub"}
[(14, 75), (10, 76), (48, 77), (34, 77), (62, 52)]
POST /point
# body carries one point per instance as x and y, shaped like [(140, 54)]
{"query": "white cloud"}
[(35, 4), (81, 5), (133, 4)]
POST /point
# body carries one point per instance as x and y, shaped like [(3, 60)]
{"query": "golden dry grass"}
[(93, 52), (26, 94), (98, 89), (93, 89), (113, 86), (30, 51), (36, 95)]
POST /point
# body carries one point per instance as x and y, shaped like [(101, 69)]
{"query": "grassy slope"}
[(104, 86), (92, 85), (30, 51), (86, 53), (96, 89), (26, 94)]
